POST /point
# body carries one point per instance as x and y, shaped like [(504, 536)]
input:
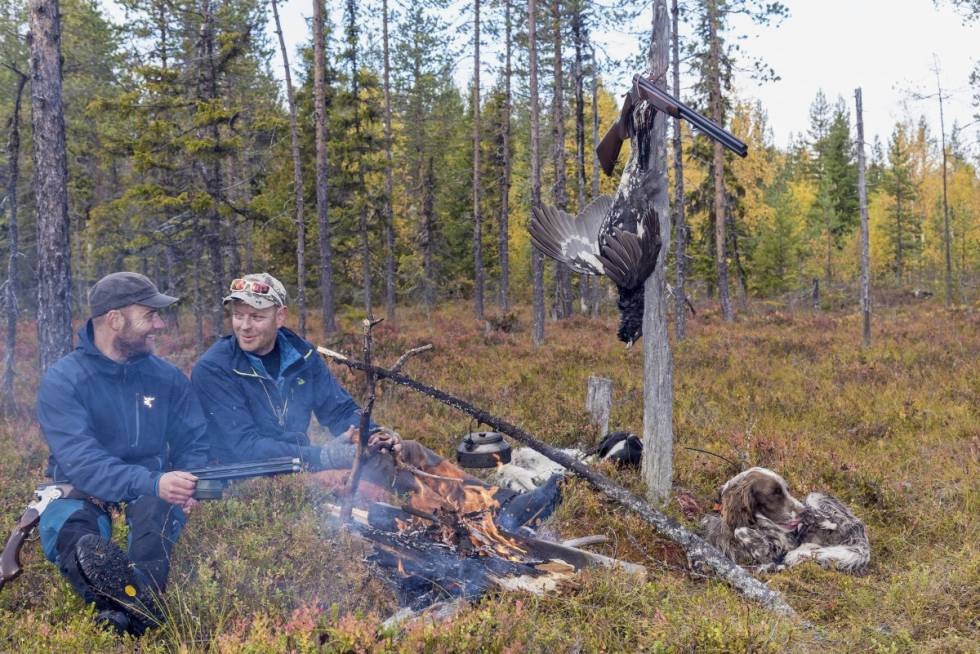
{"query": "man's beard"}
[(132, 345)]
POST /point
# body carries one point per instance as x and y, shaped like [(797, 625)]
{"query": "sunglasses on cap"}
[(252, 286)]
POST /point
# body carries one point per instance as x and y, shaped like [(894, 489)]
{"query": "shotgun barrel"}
[(667, 103), (212, 480)]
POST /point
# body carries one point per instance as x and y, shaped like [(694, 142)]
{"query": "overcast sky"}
[(886, 47)]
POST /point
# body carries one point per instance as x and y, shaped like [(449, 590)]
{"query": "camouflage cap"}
[(258, 290)]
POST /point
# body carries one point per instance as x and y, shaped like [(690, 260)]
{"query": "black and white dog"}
[(528, 469), (762, 525)]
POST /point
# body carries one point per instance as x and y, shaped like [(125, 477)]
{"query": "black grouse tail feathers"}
[(608, 238)]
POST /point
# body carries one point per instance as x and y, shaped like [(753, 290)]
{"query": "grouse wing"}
[(570, 239), (628, 258)]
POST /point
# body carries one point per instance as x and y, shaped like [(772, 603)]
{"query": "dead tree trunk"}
[(297, 178), (537, 259), (596, 283), (389, 218), (578, 41), (718, 160), (863, 200), (360, 201), (427, 235), (563, 274), (701, 554), (504, 244), (50, 184), (658, 365), (477, 219), (947, 240), (13, 242), (212, 169), (322, 171), (680, 226)]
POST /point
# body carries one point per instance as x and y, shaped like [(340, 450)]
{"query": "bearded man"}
[(261, 384), (122, 426)]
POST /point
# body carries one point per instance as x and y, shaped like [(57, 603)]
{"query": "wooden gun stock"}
[(43, 496), (610, 145), (10, 559)]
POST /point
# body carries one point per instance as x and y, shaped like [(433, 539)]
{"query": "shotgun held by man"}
[(211, 483)]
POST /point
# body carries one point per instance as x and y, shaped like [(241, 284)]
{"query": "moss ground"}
[(893, 430)]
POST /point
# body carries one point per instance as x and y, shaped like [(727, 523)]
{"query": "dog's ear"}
[(738, 504)]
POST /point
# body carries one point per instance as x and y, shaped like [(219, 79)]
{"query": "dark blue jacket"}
[(114, 428), (252, 416)]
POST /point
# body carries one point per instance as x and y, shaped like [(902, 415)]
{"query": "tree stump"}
[(598, 402)]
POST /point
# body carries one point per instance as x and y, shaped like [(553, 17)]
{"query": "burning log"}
[(700, 553), (425, 566)]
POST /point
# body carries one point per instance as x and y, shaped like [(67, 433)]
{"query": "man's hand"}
[(385, 440), (177, 487)]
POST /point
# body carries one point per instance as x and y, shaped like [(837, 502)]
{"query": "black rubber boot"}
[(115, 621), (530, 508), (109, 574)]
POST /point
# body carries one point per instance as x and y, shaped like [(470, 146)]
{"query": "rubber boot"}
[(109, 573)]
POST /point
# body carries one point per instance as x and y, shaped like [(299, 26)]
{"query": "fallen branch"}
[(403, 358), (700, 553)]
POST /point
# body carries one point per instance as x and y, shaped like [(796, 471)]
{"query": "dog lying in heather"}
[(762, 525)]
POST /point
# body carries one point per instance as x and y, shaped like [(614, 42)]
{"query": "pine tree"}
[(779, 247), (50, 183), (713, 60)]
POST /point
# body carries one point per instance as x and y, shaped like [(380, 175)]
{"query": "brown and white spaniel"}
[(762, 525)]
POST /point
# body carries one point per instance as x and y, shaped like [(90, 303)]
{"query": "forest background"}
[(180, 163)]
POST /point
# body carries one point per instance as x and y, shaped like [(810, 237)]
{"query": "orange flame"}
[(467, 507)]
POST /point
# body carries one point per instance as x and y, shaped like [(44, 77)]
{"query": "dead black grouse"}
[(612, 239)]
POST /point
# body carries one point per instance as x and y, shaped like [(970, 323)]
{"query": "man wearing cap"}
[(122, 425), (260, 385)]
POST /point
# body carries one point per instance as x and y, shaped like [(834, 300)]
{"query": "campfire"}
[(443, 543), (461, 513)]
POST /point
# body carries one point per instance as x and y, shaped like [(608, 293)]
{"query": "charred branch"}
[(364, 429)]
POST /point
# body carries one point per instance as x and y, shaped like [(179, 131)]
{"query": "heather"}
[(892, 430)]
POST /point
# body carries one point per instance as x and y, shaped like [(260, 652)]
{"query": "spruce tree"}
[(899, 183)]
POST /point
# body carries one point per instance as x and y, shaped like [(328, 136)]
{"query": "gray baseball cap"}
[(258, 290), (121, 289)]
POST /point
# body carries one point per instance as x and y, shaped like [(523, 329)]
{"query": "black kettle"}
[(483, 449)]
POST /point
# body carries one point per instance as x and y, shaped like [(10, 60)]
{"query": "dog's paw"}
[(805, 552), (769, 568)]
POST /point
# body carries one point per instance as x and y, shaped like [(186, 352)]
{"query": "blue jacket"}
[(253, 416), (114, 428)]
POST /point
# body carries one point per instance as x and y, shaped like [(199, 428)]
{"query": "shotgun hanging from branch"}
[(700, 553)]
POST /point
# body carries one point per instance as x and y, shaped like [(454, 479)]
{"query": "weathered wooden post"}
[(598, 402), (658, 362)]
